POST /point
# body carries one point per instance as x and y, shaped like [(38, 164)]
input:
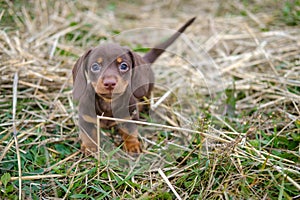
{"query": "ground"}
[(225, 117)]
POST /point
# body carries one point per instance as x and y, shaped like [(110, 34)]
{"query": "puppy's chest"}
[(103, 108)]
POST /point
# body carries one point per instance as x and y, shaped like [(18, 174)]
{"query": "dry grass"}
[(225, 120)]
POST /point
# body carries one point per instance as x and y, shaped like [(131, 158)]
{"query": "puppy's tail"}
[(154, 53)]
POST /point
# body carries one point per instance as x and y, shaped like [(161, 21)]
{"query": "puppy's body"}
[(111, 80)]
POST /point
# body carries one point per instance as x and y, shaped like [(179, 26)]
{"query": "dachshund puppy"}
[(111, 80)]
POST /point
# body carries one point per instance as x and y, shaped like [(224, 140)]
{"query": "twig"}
[(37, 177), (168, 183), (15, 93), (62, 161), (164, 126)]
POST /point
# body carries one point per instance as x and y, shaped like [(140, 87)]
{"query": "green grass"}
[(291, 12)]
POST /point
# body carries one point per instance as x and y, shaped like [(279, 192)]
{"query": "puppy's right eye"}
[(95, 67)]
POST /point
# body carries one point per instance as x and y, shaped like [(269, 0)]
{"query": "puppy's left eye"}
[(123, 67)]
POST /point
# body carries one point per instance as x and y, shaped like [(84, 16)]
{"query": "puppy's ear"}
[(142, 76), (79, 76)]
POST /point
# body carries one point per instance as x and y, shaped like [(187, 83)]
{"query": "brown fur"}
[(111, 80)]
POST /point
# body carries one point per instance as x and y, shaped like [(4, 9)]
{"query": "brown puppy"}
[(111, 80)]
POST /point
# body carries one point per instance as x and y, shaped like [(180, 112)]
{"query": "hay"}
[(218, 54)]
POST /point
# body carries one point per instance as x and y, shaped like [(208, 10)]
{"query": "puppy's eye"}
[(95, 67), (123, 67)]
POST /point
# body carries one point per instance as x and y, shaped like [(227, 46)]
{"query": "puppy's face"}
[(112, 71), (109, 69)]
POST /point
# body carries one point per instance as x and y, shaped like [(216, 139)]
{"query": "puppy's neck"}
[(106, 100)]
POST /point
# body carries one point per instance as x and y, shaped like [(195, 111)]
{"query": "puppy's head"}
[(110, 69)]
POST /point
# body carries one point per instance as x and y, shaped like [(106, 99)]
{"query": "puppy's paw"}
[(88, 150), (133, 147)]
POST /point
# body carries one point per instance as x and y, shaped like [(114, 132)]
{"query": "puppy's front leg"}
[(129, 133), (88, 134)]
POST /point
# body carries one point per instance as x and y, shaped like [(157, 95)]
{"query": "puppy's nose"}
[(109, 83)]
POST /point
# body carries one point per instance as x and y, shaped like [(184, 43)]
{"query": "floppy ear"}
[(142, 76), (79, 77)]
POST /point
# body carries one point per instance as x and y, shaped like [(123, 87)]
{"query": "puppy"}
[(111, 80)]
